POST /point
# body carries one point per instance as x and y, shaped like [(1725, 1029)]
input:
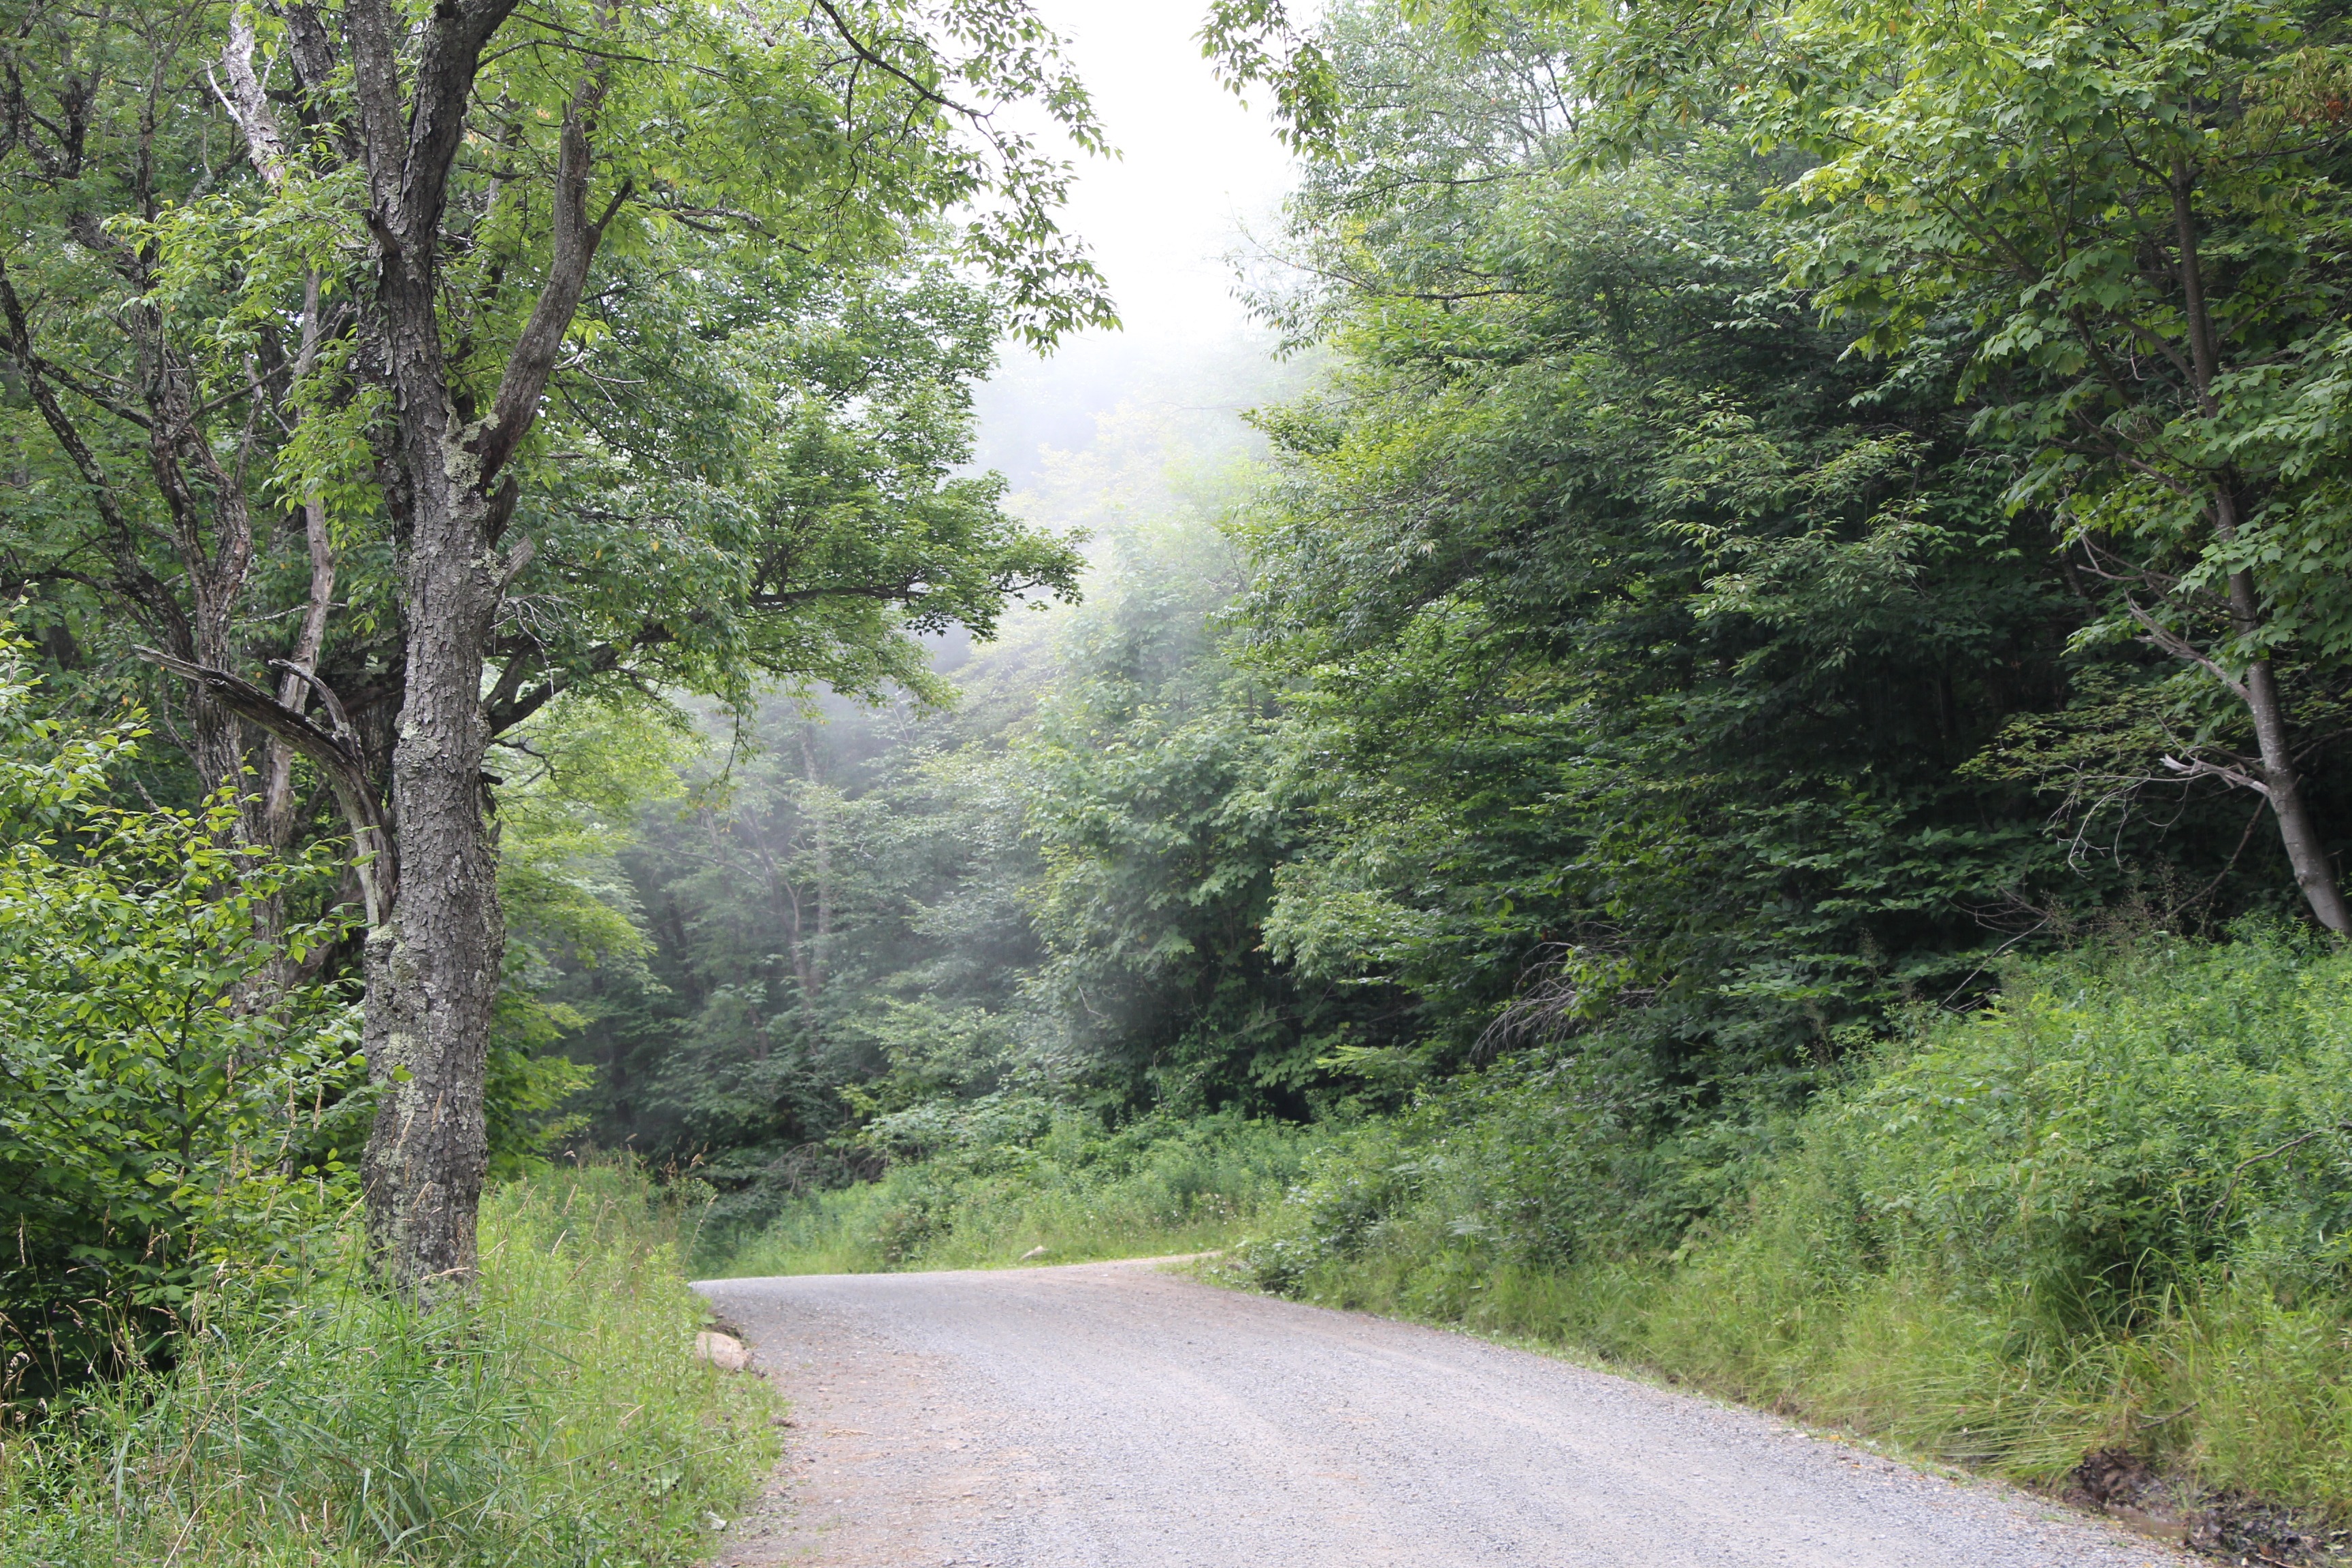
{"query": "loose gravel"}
[(1116, 1416)]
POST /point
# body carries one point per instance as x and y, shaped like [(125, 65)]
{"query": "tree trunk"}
[(820, 825), (2305, 854), (433, 964), (433, 967), (2315, 872)]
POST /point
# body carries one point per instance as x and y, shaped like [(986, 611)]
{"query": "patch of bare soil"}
[(884, 1467), (2228, 1525)]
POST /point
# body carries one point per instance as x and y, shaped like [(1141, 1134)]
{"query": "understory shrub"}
[(990, 1182), (173, 1103), (559, 1419), (2112, 1209)]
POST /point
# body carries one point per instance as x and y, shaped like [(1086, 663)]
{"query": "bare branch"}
[(2179, 648), (2198, 768), (336, 754), (532, 360), (246, 102)]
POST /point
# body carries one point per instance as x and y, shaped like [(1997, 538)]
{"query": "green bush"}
[(2118, 1132), (560, 1419), (990, 1182), (170, 1111), (2111, 1209)]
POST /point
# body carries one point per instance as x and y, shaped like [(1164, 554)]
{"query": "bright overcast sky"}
[(1194, 166), (1194, 163)]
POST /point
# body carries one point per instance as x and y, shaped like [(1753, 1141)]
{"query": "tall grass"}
[(1001, 1185), (561, 1420), (2113, 1211)]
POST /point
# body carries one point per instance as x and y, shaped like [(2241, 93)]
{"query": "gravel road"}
[(1107, 1415)]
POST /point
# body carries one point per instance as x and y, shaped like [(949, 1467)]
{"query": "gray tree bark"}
[(433, 964), (2279, 782)]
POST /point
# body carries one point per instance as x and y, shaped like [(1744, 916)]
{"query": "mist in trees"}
[(1735, 530), (1652, 612), (1044, 889)]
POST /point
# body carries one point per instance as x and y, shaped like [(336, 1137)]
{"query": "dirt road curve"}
[(1113, 1415)]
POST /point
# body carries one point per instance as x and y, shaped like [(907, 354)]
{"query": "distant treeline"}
[(1845, 503)]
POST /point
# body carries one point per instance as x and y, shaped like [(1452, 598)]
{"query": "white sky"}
[(1193, 163)]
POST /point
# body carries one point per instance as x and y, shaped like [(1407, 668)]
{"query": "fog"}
[(1196, 170)]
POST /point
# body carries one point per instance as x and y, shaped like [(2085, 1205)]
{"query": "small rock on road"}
[(1116, 1415)]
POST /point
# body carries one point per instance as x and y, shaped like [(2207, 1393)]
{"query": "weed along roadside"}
[(2090, 1239), (562, 1417)]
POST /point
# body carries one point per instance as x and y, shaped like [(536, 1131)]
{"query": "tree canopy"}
[(1710, 597), (1767, 513), (419, 373)]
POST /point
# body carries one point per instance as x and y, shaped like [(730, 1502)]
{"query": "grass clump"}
[(2113, 1210), (987, 1184), (560, 1419)]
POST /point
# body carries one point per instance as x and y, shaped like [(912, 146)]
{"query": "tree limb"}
[(247, 103), (2182, 648), (2198, 768), (139, 583), (532, 360), (374, 854)]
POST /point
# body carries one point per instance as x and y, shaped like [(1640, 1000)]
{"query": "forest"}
[(1719, 745)]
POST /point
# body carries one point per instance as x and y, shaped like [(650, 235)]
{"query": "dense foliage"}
[(172, 1108), (1055, 889), (1634, 636), (2107, 1213), (745, 462)]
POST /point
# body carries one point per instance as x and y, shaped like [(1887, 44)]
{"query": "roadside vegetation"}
[(1027, 1181), (2108, 1212), (558, 1418)]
